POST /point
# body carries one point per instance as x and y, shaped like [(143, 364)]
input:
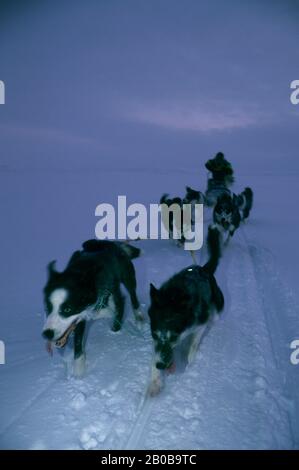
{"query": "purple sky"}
[(137, 84)]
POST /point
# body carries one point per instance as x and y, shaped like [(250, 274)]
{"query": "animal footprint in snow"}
[(94, 435), (261, 387), (78, 401)]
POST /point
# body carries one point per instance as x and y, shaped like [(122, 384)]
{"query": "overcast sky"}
[(146, 83)]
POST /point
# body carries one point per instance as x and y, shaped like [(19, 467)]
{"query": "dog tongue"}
[(171, 369), (61, 342), (49, 347)]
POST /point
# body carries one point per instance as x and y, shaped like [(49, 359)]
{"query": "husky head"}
[(67, 297), (167, 322), (223, 211)]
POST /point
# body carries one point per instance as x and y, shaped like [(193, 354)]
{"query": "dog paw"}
[(191, 355), (116, 326), (139, 317), (154, 388), (79, 366)]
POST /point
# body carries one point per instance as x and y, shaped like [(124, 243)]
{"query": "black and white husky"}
[(88, 289), (245, 202), (226, 215), (183, 305), (176, 219), (172, 219), (215, 190)]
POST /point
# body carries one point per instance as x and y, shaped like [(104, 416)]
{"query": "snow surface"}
[(131, 98), (241, 392)]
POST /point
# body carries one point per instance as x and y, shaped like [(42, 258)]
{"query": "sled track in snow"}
[(144, 412), (265, 273), (264, 310), (146, 404), (28, 405), (145, 407), (265, 363)]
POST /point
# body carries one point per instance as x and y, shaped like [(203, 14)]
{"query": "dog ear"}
[(153, 292), (51, 269), (188, 189)]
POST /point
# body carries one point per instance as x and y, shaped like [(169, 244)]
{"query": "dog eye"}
[(66, 309)]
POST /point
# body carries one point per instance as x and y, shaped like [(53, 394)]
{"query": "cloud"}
[(220, 116), (43, 133)]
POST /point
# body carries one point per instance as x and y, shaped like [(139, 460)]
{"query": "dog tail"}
[(214, 249), (163, 199), (249, 194)]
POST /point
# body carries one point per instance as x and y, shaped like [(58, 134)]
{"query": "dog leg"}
[(196, 339), (156, 381), (245, 214), (119, 310), (129, 282), (226, 242), (231, 231), (79, 354), (192, 253)]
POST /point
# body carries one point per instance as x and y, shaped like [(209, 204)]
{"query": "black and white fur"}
[(226, 215), (89, 289), (192, 197), (184, 305), (215, 190), (169, 224), (245, 202)]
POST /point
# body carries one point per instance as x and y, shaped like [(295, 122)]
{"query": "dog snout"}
[(48, 334), (165, 352)]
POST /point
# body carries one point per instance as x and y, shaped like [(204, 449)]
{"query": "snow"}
[(135, 105), (241, 391)]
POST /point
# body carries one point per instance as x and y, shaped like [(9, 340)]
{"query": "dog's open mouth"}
[(61, 342)]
